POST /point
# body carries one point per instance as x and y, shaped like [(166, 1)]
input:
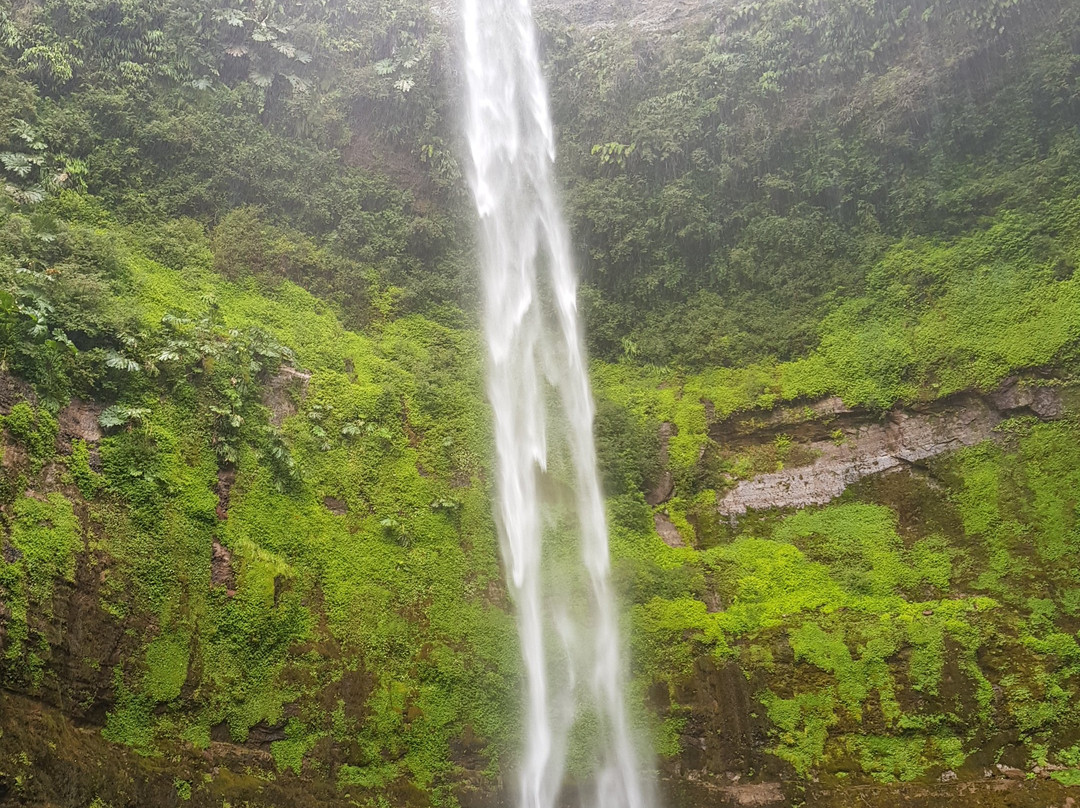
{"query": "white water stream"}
[(539, 390)]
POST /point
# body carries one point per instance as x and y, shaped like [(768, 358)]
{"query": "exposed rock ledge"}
[(650, 15), (660, 16), (848, 445)]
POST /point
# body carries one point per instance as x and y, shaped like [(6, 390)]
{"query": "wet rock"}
[(469, 753), (79, 421), (283, 392), (849, 446), (13, 457), (724, 732), (262, 734), (959, 793), (14, 391), (221, 568), (755, 794), (665, 486), (1014, 394), (338, 507), (226, 480), (667, 530), (11, 554)]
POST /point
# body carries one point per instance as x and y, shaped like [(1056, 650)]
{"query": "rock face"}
[(667, 530), (648, 15), (665, 486), (850, 445), (79, 421), (14, 391), (653, 15), (283, 392)]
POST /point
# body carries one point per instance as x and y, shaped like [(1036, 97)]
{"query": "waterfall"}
[(539, 390)]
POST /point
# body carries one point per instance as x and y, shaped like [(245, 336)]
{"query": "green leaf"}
[(119, 415), (286, 49), (298, 83), (21, 165), (121, 362)]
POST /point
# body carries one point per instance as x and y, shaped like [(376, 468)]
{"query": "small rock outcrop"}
[(667, 530), (665, 486), (282, 393), (79, 421), (221, 568), (848, 445), (14, 391)]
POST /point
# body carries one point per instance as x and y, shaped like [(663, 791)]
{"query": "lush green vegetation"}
[(235, 237), (879, 614), (733, 184), (360, 535)]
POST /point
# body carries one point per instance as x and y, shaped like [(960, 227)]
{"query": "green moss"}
[(891, 759), (45, 539), (661, 628), (289, 753), (47, 534), (183, 789), (131, 721), (1020, 503), (668, 742), (849, 593), (166, 666), (367, 777), (35, 429), (861, 543), (802, 727), (855, 678), (89, 482)]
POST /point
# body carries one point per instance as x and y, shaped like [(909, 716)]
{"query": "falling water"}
[(539, 389)]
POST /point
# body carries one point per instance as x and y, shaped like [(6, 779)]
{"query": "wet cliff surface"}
[(642, 15), (837, 708), (907, 638), (254, 562)]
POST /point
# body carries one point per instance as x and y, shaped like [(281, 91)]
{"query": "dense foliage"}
[(732, 184), (194, 109), (729, 186), (244, 489)]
